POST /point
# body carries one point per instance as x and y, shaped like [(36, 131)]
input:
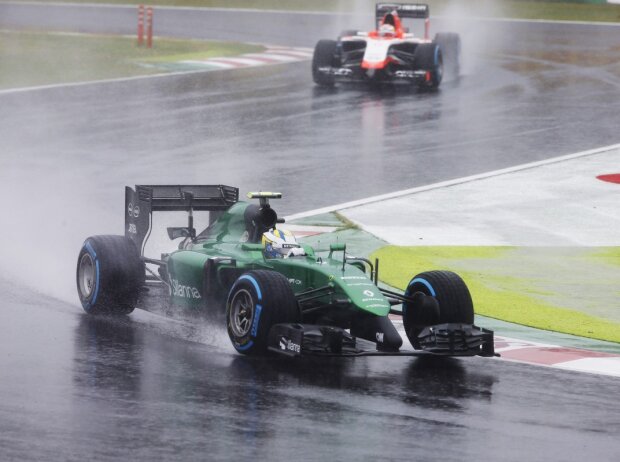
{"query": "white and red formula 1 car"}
[(390, 53)]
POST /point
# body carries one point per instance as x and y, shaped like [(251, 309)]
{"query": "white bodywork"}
[(376, 52)]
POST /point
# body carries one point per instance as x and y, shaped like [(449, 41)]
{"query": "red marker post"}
[(140, 25), (149, 27)]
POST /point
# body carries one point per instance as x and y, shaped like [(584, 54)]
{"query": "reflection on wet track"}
[(150, 388)]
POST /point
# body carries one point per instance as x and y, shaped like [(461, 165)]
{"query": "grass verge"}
[(543, 288), (31, 58)]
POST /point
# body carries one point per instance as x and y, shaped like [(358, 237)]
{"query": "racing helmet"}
[(390, 18), (280, 244), (387, 30)]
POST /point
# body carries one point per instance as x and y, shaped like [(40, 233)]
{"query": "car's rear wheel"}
[(258, 300), (109, 275), (428, 57), (324, 57), (438, 297)]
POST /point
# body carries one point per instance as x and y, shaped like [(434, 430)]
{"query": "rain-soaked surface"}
[(149, 387)]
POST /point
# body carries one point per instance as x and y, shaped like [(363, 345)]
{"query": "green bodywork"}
[(194, 280)]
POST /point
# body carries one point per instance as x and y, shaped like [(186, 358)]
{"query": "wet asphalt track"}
[(150, 388), (147, 388)]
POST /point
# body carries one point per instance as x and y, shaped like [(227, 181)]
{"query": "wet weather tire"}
[(428, 57), (440, 297), (258, 300), (109, 275), (324, 56)]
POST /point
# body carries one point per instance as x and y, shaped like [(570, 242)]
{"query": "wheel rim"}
[(86, 275), (241, 313)]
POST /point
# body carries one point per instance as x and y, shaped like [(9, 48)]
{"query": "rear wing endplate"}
[(146, 199)]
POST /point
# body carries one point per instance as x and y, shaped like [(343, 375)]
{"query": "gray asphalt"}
[(151, 388), (148, 388)]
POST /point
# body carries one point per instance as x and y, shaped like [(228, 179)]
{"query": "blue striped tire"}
[(429, 57), (453, 302), (257, 300), (109, 275)]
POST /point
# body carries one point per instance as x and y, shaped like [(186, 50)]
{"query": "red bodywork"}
[(399, 33)]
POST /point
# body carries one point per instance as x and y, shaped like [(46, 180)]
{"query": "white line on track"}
[(98, 82), (444, 184), (270, 57), (214, 63)]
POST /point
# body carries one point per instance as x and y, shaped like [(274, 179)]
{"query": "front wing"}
[(441, 340), (357, 74)]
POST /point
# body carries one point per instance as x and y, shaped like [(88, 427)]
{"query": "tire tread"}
[(452, 294), (120, 277), (279, 305)]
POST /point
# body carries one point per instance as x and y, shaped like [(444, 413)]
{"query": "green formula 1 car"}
[(296, 301)]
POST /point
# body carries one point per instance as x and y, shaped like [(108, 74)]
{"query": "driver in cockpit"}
[(281, 244)]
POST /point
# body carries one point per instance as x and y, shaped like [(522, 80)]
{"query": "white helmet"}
[(387, 30), (281, 244)]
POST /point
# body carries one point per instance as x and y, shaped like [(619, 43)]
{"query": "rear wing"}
[(146, 199), (404, 10)]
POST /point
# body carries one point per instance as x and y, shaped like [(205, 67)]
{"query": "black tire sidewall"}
[(247, 342), (271, 292), (450, 291), (324, 53), (88, 301), (429, 57), (119, 275)]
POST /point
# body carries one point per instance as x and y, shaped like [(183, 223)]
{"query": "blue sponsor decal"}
[(257, 311), (94, 299), (244, 347)]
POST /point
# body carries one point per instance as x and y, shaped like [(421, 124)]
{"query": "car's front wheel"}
[(258, 300), (324, 57), (428, 57), (438, 297)]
